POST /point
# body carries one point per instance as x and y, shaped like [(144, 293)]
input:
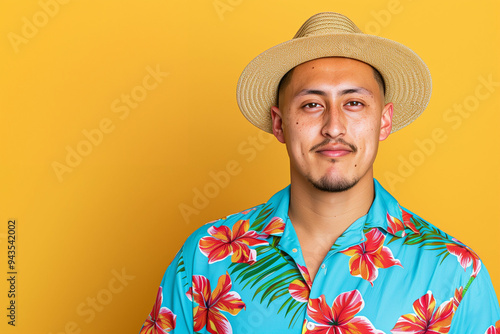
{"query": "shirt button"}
[(294, 250), (323, 266), (310, 326)]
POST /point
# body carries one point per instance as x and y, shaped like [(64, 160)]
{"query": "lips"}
[(334, 151)]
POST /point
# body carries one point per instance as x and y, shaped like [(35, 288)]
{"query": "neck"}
[(319, 214)]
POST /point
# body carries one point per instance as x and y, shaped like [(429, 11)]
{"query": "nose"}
[(334, 123)]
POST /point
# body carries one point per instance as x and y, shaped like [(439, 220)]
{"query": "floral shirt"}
[(389, 272)]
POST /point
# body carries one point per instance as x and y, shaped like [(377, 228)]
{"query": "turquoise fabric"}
[(389, 272)]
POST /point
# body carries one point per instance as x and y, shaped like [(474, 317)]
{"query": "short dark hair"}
[(285, 80)]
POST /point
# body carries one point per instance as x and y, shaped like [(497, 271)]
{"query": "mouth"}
[(334, 150)]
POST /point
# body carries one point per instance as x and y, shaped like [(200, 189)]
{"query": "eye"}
[(312, 105), (354, 104)]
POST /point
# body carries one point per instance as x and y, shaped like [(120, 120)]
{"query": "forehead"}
[(333, 70)]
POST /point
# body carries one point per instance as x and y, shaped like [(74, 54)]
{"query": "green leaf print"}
[(271, 275), (430, 238)]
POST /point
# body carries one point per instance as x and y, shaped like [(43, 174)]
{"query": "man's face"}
[(331, 118)]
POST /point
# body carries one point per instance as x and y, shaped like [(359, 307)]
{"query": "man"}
[(333, 252)]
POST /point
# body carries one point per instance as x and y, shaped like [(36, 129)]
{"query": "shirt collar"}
[(385, 213)]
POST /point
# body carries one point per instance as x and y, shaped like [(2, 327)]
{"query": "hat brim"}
[(407, 78)]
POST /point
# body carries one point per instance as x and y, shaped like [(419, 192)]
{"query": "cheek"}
[(367, 142), (295, 129), (370, 146), (298, 138)]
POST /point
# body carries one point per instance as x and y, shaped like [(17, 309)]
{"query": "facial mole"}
[(297, 123), (313, 67)]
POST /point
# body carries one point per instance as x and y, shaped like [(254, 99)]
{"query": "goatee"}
[(332, 186)]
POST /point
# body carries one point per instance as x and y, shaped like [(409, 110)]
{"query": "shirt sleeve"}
[(172, 311), (479, 309)]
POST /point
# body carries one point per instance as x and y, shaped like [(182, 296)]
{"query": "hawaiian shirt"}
[(389, 272)]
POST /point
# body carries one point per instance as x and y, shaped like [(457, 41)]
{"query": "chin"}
[(328, 184)]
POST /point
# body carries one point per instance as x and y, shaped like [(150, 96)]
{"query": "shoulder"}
[(224, 225), (264, 219), (439, 265), (453, 274), (438, 247), (421, 238)]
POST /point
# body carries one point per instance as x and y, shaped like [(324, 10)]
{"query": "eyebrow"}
[(360, 90)]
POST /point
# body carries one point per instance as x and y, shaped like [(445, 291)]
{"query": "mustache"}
[(337, 141)]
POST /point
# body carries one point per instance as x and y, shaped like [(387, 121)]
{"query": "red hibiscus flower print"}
[(407, 221), (210, 304), (457, 298), (299, 289), (465, 256), (161, 320), (224, 242), (367, 257), (340, 318), (396, 227), (275, 227), (425, 320), (494, 329), (244, 212), (305, 274)]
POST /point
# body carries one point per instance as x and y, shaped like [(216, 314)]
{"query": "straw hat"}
[(407, 78)]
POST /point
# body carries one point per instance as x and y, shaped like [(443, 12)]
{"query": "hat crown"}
[(327, 23)]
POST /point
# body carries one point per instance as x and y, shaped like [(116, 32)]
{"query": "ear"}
[(277, 123), (386, 121)]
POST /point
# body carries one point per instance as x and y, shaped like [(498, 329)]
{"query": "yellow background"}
[(119, 207)]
